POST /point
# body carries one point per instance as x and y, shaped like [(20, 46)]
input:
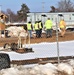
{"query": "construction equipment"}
[(16, 44)]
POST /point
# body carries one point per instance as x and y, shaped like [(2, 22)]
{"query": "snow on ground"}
[(43, 50), (39, 69)]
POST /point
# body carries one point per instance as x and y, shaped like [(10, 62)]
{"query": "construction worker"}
[(48, 26), (40, 28), (62, 26), (29, 28), (36, 27), (2, 25)]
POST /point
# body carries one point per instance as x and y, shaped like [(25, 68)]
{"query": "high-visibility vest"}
[(29, 26), (40, 25), (48, 24), (36, 27), (62, 24)]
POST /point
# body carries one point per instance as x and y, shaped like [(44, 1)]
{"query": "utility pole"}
[(9, 17), (43, 6), (57, 41)]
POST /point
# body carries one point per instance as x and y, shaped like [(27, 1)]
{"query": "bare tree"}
[(12, 17), (65, 6)]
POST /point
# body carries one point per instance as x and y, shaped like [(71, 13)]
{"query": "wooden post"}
[(19, 41)]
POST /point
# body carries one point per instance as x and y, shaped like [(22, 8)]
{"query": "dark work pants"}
[(49, 33), (40, 32), (37, 33), (4, 32)]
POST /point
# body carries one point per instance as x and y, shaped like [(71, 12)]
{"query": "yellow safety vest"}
[(36, 26), (62, 24), (29, 26), (48, 24), (40, 25)]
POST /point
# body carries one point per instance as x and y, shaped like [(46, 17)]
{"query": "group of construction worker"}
[(38, 26)]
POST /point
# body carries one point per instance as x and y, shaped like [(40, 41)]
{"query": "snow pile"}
[(14, 31), (66, 68), (10, 71), (47, 69), (40, 69), (71, 62), (15, 71)]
